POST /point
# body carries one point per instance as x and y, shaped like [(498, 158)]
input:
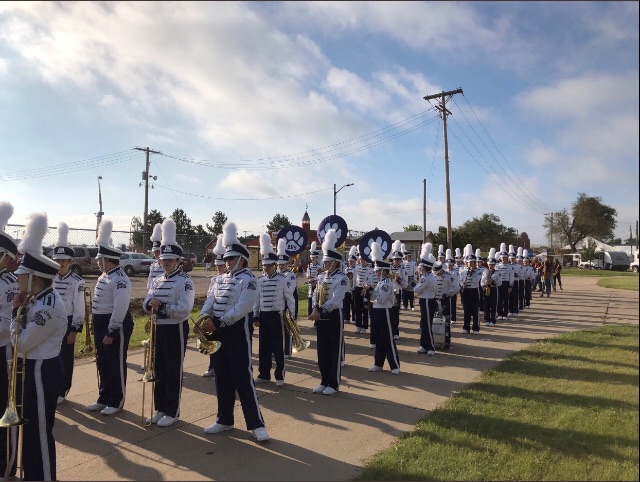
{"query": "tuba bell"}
[(290, 324), (205, 343)]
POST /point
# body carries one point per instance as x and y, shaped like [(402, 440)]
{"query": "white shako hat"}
[(34, 262), (519, 253), (156, 237), (8, 245), (479, 255), (458, 255), (62, 249), (329, 247), (103, 242), (266, 250), (441, 251), (314, 249), (491, 259), (469, 256), (232, 246), (426, 256), (396, 250), (218, 251), (526, 255), (353, 251), (377, 257), (512, 252), (169, 248), (404, 251), (283, 257), (448, 258)]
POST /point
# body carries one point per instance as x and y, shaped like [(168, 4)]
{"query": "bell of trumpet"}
[(298, 343), (203, 327)]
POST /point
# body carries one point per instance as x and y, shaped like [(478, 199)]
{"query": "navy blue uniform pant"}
[(67, 354), (330, 349), (233, 372), (407, 298), (471, 312), (427, 310), (271, 336), (513, 297), (171, 343), (382, 326), (42, 382), (346, 306), (503, 299), (361, 313), (453, 307), (527, 292), (490, 305), (112, 360), (520, 294)]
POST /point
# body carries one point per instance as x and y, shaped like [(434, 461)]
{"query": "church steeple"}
[(306, 221)]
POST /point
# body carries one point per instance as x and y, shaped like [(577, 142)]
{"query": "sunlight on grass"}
[(564, 409), (620, 283)]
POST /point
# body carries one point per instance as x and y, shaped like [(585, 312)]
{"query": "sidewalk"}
[(314, 437)]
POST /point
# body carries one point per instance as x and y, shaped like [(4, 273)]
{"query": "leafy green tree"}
[(219, 218), (588, 216), (589, 250), (485, 232), (278, 222), (412, 227), (141, 232)]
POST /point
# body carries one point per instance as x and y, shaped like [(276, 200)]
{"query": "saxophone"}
[(487, 287)]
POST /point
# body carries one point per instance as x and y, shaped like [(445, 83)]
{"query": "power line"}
[(245, 199)]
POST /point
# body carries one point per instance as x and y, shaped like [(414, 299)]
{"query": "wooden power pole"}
[(145, 178), (442, 98)]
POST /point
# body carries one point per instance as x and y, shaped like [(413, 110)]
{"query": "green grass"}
[(563, 409), (621, 283), (598, 273)]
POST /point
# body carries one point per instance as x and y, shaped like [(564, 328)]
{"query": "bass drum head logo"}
[(333, 222), (296, 239), (379, 236)]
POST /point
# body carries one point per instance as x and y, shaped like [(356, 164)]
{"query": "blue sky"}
[(259, 108)]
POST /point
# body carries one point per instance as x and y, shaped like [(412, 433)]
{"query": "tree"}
[(278, 222), (486, 232), (412, 227), (589, 250), (140, 232), (183, 222), (588, 217), (219, 218)]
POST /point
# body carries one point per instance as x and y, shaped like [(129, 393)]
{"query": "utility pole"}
[(443, 113), (145, 178), (100, 212), (551, 228), (424, 210)]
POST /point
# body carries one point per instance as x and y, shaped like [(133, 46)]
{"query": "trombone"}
[(13, 413), (88, 344), (149, 375)]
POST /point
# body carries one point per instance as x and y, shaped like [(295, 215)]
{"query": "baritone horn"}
[(204, 328), (88, 344), (290, 324)]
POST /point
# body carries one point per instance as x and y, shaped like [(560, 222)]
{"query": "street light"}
[(99, 213), (335, 193)]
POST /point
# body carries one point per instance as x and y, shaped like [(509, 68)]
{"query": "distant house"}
[(413, 240)]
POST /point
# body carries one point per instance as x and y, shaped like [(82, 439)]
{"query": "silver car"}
[(135, 263)]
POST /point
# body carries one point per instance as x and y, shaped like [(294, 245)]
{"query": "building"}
[(413, 240)]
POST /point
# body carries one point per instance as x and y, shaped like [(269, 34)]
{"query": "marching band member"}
[(9, 289), (218, 253), (312, 274), (40, 335), (231, 305), (396, 273), (381, 315), (470, 284), (155, 269), (327, 311), (171, 297), (274, 294), (529, 277), (504, 291), (522, 273), (480, 269), (369, 285), (283, 268), (441, 254), (71, 289), (409, 267), (426, 291), (112, 325), (490, 282), (454, 285), (513, 294), (348, 296), (362, 272)]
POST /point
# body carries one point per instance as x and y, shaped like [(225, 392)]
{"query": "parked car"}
[(634, 266), (191, 256), (135, 263), (84, 261)]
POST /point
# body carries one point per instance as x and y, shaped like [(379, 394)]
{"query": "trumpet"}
[(13, 413), (88, 344), (149, 375), (290, 324), (204, 328)]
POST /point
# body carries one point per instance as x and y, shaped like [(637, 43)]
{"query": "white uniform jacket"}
[(71, 289), (176, 292)]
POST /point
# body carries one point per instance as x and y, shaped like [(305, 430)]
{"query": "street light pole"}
[(335, 193), (99, 213)]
